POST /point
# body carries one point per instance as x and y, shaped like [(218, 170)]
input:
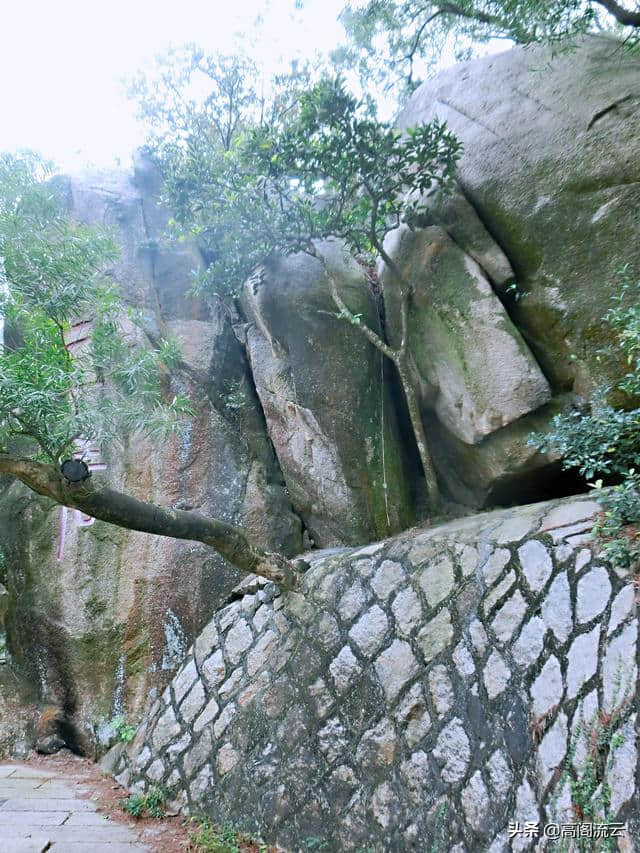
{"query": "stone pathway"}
[(39, 811)]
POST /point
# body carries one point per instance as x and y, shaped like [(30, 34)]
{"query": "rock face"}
[(470, 362), (419, 693), (548, 182), (551, 165), (325, 394), (97, 615), (300, 437)]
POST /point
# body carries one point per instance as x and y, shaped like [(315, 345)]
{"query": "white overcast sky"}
[(62, 62)]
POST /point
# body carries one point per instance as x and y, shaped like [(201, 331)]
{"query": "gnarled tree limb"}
[(626, 17), (125, 511)]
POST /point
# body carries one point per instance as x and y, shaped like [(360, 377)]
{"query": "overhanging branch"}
[(133, 514), (624, 16)]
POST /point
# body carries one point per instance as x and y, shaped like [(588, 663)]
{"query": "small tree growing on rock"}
[(333, 171)]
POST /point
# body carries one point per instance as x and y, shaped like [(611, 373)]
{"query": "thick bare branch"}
[(626, 17), (125, 511)]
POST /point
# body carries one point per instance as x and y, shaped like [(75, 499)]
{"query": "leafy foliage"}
[(332, 171), (50, 278), (125, 732), (392, 39), (152, 803), (604, 443), (192, 99), (197, 108)]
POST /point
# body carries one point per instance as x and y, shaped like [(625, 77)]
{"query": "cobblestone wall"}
[(420, 695)]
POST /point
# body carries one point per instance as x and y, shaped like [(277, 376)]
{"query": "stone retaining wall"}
[(421, 694)]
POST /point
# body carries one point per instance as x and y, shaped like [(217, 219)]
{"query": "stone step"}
[(23, 817), (47, 804), (33, 844), (82, 834)]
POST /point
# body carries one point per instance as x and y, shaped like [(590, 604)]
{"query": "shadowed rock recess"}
[(422, 691)]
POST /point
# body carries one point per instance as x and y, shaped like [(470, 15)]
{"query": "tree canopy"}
[(51, 277), (394, 41), (54, 403), (331, 170)]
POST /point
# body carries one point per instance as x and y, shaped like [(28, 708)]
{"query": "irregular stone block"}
[(536, 564), (582, 660), (369, 631), (453, 749), (496, 675), (547, 689), (622, 607), (437, 581), (395, 667), (556, 608), (344, 669), (436, 635), (594, 590)]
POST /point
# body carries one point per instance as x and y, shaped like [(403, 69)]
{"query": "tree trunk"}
[(399, 359), (128, 512), (433, 490)]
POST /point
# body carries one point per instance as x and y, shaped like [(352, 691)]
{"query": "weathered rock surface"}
[(18, 714), (470, 362), (547, 197), (551, 165), (325, 395), (98, 627), (547, 201), (333, 714)]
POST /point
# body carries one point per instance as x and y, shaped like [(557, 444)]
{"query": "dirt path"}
[(65, 803)]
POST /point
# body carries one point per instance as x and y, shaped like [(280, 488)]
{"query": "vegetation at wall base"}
[(150, 804), (228, 838)]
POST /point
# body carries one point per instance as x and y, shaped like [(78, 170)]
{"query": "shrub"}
[(152, 803)]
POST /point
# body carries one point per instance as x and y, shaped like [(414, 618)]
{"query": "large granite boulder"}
[(422, 693), (546, 211), (469, 361), (326, 398), (98, 615), (551, 164)]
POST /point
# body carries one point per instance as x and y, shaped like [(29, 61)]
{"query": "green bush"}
[(152, 803), (123, 730)]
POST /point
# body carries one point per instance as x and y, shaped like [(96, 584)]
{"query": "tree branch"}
[(472, 14), (624, 16), (371, 336), (128, 512)]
